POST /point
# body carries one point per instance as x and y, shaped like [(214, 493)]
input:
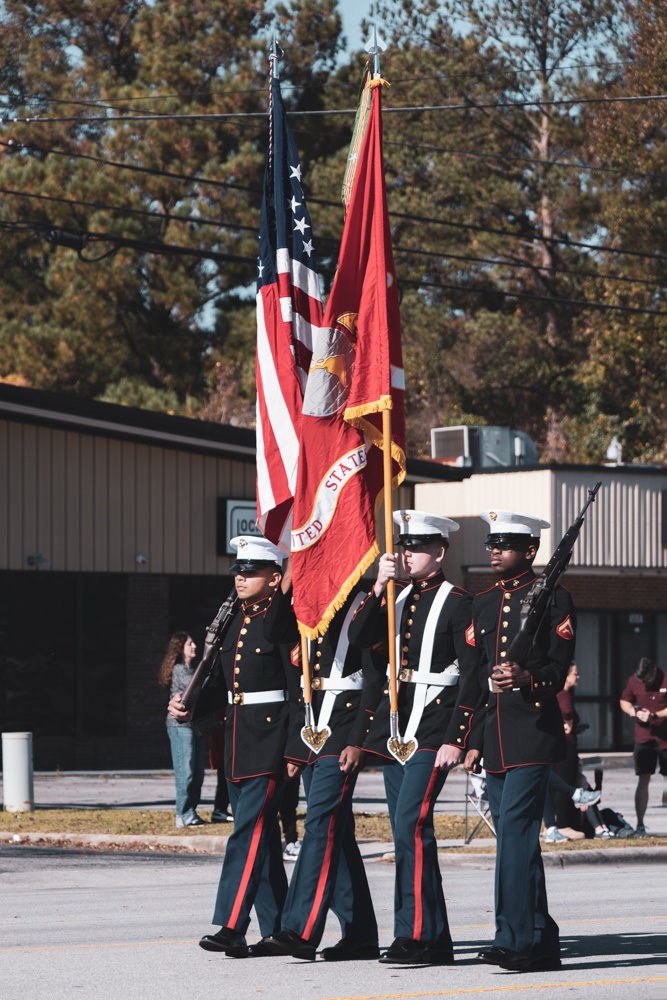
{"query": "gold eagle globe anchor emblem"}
[(331, 367)]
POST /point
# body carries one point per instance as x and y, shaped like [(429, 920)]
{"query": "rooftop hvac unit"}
[(482, 447)]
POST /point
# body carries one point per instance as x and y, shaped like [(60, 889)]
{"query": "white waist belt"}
[(255, 697), (441, 680), (335, 684)]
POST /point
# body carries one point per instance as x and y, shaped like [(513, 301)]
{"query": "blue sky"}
[(352, 12)]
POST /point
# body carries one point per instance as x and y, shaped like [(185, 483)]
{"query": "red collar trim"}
[(255, 607), (428, 582), (515, 582)]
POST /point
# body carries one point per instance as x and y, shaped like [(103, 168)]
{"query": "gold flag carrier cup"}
[(400, 749), (312, 737)]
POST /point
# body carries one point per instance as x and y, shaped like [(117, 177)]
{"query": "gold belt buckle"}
[(316, 683), (405, 675), (238, 698)]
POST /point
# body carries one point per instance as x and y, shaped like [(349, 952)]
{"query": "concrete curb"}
[(195, 843), (207, 844), (566, 859)]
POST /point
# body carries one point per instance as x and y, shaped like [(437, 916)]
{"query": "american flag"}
[(288, 307)]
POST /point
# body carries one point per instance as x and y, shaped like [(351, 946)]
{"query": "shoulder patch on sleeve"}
[(295, 656), (565, 630), (470, 634)]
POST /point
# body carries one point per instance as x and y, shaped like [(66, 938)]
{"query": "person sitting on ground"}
[(584, 799)]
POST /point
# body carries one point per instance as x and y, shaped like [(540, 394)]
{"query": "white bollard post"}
[(17, 772)]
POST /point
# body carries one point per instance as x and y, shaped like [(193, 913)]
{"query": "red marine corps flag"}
[(288, 305), (356, 372)]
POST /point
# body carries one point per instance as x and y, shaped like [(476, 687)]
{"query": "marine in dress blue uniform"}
[(520, 734), (435, 648), (253, 677), (329, 873)]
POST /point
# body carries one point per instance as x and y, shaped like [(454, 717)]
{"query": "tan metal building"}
[(617, 575), (114, 529)]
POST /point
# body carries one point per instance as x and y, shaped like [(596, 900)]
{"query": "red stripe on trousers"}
[(419, 855), (252, 855), (326, 865)]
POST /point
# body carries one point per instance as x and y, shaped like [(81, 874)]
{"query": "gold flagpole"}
[(305, 667), (391, 585)]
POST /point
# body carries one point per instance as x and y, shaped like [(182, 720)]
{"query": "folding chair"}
[(475, 795)]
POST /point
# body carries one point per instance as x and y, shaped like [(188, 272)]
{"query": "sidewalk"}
[(155, 790)]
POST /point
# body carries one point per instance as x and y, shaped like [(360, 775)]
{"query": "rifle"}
[(215, 633), (535, 605)]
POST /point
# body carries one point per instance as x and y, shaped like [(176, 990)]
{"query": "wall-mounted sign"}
[(235, 517)]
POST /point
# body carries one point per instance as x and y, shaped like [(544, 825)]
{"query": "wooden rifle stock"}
[(215, 633), (535, 605)]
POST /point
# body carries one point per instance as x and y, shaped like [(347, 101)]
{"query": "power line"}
[(524, 236), (79, 239), (151, 172), (223, 224), (163, 216), (518, 265), (285, 85), (216, 116), (578, 303), (195, 178), (59, 237)]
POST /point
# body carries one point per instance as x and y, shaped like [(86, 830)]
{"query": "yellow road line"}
[(501, 989)]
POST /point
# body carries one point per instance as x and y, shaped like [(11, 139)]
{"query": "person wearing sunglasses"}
[(520, 737)]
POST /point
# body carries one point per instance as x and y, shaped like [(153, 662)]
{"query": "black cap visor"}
[(516, 543), (414, 541), (250, 565)]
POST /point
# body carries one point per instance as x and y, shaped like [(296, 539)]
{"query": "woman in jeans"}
[(188, 751)]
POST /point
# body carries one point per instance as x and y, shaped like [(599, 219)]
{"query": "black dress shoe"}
[(263, 948), (287, 943), (350, 951), (534, 963), (438, 956), (228, 941), (514, 961), (405, 951), (496, 956)]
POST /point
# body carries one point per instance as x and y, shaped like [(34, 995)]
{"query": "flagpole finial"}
[(275, 55), (374, 46)]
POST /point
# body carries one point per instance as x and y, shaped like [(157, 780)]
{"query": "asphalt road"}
[(125, 927)]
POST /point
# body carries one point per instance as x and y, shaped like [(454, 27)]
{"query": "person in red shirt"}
[(645, 700)]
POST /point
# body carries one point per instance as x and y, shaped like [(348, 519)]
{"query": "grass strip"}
[(135, 822)]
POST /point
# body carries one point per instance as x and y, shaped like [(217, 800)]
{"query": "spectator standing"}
[(188, 751), (645, 700)]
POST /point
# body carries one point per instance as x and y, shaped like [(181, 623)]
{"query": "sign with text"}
[(235, 517)]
